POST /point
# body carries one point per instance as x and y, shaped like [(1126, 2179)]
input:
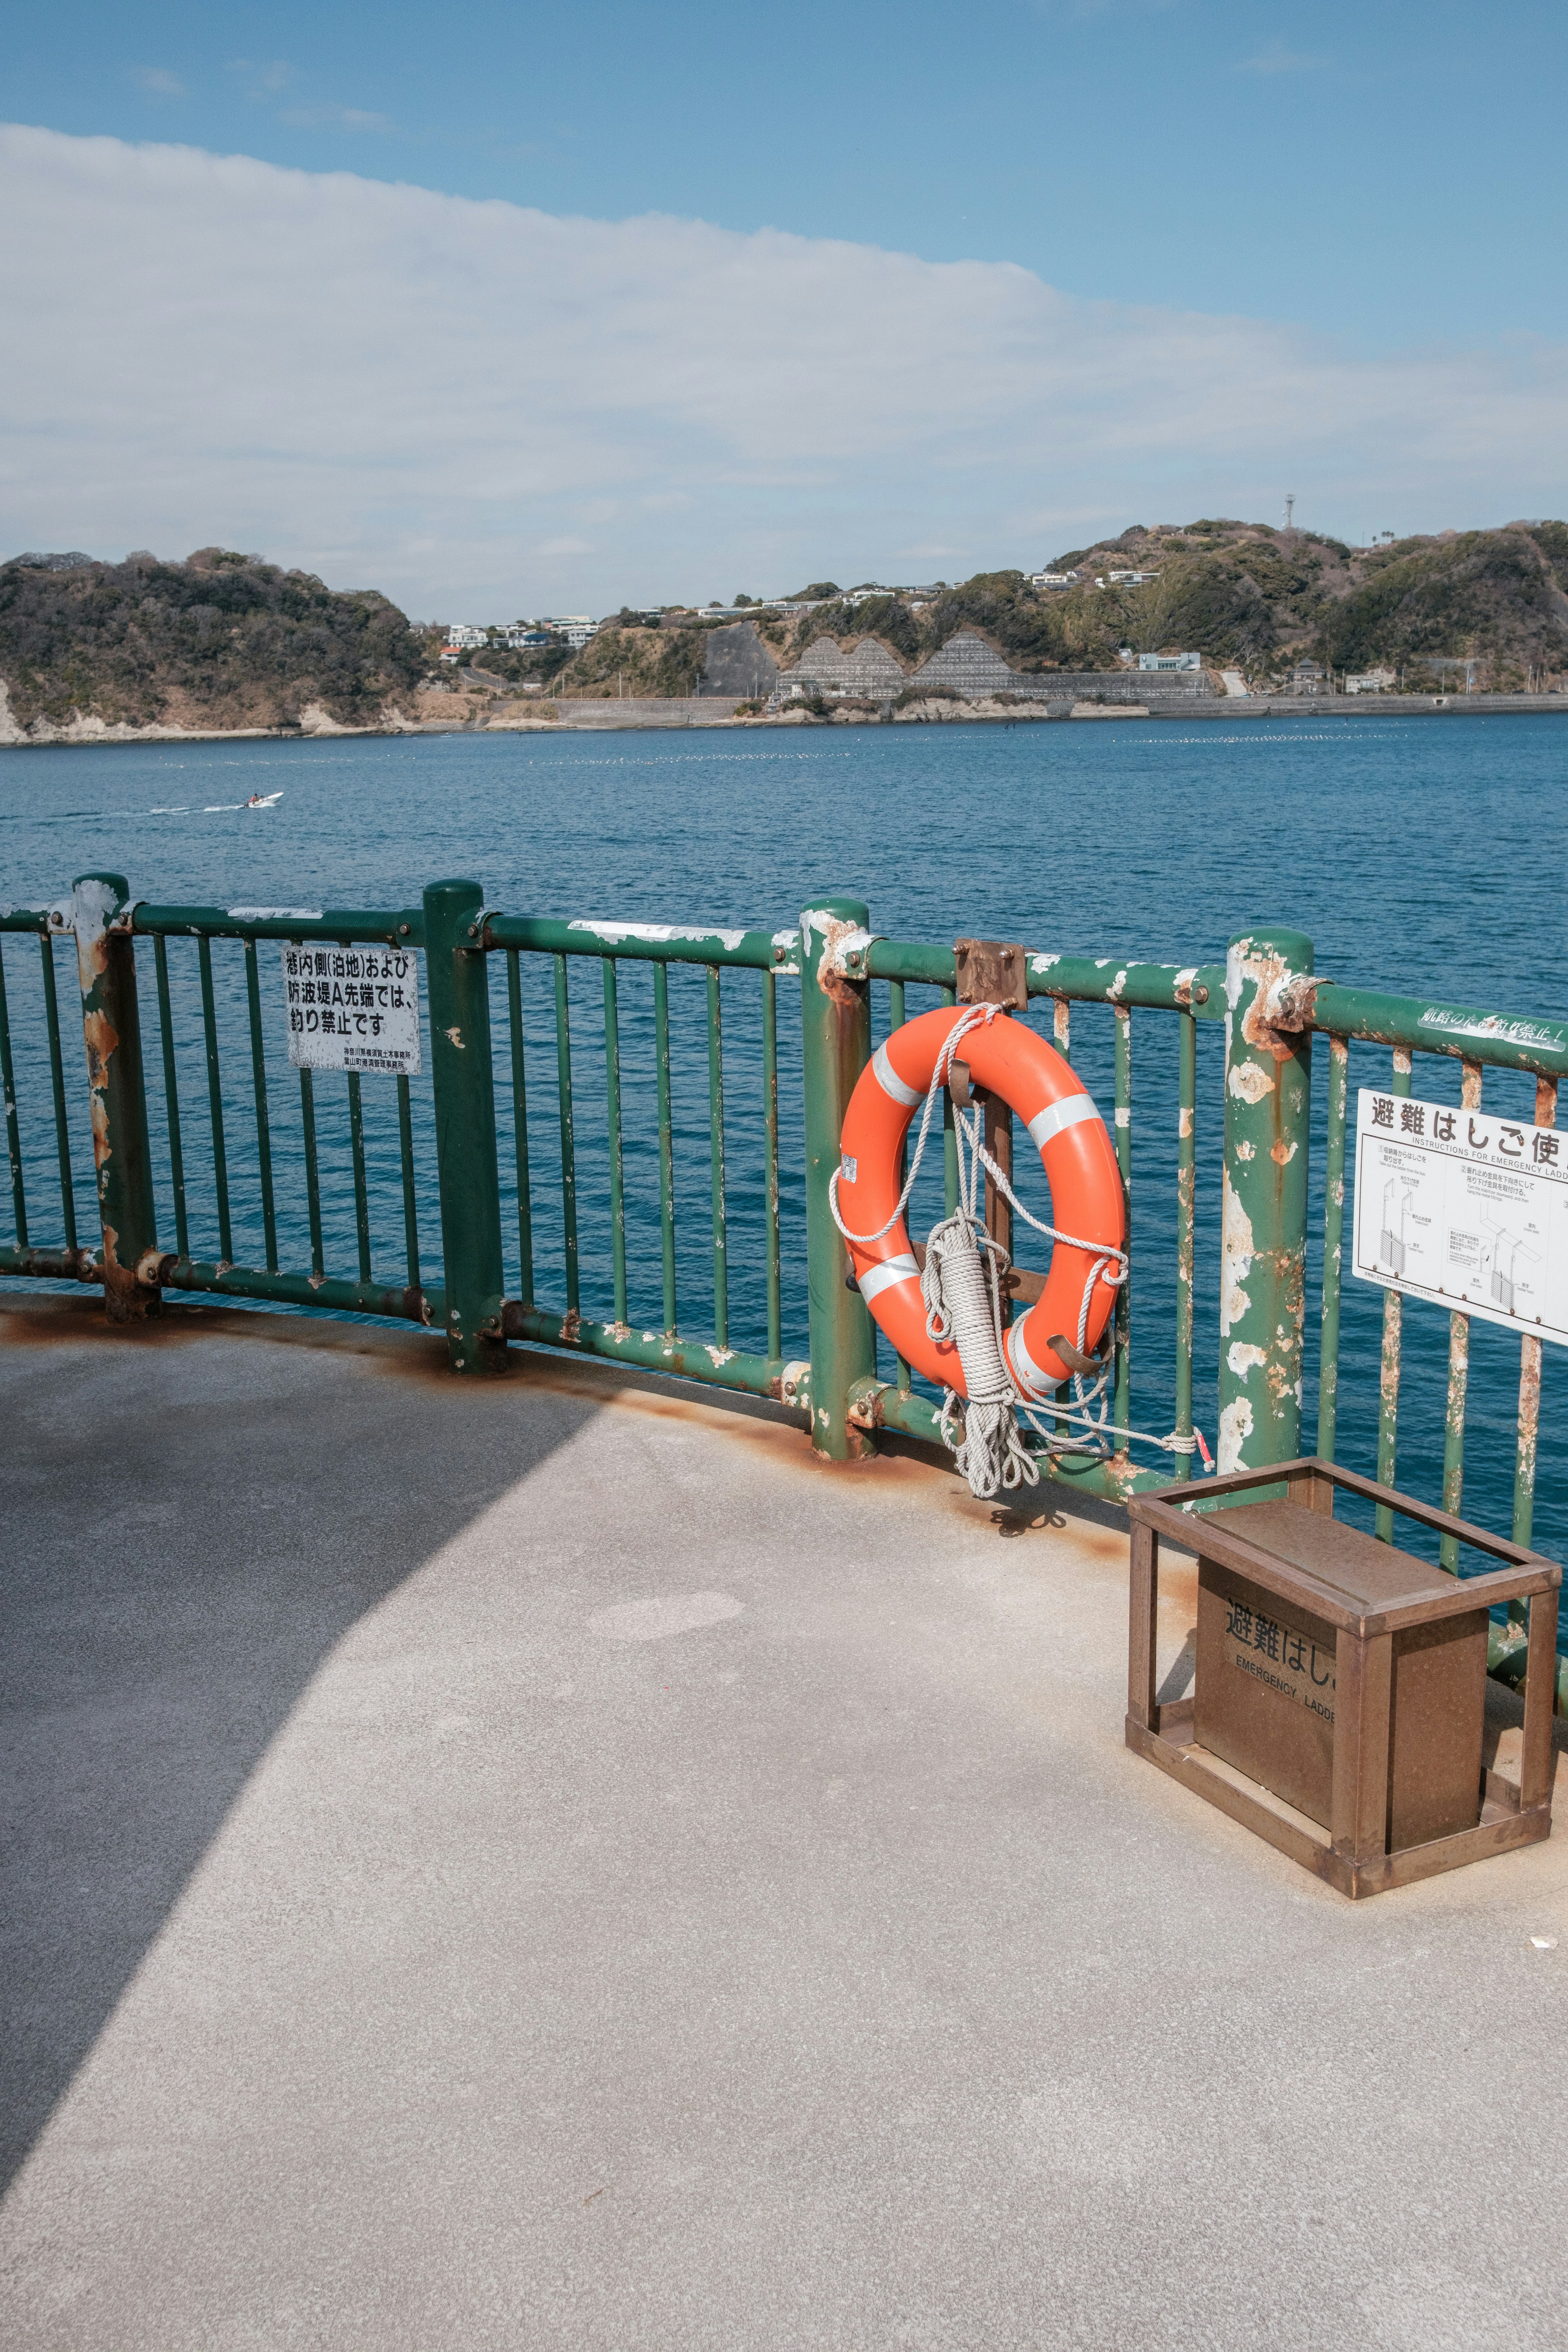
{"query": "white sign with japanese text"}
[(352, 1009), (1465, 1209)]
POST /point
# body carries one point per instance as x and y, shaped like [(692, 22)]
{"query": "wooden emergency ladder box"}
[(1339, 1700)]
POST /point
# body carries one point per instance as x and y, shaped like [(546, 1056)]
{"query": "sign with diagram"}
[(1464, 1209), (352, 1009)]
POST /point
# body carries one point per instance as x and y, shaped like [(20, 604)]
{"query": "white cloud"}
[(396, 388), (159, 81)]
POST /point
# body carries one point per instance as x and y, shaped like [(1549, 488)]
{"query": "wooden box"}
[(1340, 1694)]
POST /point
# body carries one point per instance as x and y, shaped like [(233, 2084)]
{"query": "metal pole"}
[(117, 1097), (835, 1045), (457, 977), (1263, 1244)]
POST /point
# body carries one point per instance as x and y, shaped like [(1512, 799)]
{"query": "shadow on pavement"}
[(186, 1537)]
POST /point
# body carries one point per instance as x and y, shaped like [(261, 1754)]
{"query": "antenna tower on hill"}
[(1290, 510)]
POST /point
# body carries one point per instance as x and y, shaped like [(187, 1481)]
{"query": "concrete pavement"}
[(547, 1864)]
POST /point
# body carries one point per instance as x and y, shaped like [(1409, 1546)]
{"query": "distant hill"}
[(226, 640), (221, 640), (1263, 599), (1249, 596)]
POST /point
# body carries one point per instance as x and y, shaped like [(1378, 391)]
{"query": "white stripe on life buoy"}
[(1026, 1371), (892, 1270), (891, 1083), (1070, 1112)]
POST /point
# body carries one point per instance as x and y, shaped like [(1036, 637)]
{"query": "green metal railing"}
[(449, 1142)]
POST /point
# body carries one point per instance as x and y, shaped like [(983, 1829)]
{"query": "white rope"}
[(961, 1287), (963, 1306)]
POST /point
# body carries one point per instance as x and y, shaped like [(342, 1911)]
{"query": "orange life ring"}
[(1087, 1199)]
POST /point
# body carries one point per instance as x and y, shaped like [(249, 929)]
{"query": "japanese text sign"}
[(352, 1009), (1465, 1209)]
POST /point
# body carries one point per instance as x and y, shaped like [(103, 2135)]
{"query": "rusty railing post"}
[(835, 1045), (1263, 1234), (457, 981), (117, 1095)]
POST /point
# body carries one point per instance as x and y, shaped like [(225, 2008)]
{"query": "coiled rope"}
[(960, 1284)]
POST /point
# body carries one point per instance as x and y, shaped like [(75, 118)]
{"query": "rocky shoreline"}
[(580, 715)]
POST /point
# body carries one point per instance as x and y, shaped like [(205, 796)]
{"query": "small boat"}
[(264, 800)]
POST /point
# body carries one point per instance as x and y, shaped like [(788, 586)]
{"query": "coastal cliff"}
[(222, 643)]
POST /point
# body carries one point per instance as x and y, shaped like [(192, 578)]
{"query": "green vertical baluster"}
[(1334, 1246), (172, 1096), (313, 1174), (613, 1114), (58, 1080), (1268, 1100), (215, 1102), (897, 1017), (1123, 1311), (666, 1140), (102, 917), (263, 1130), (949, 1137), (1388, 1382), (12, 1130), (1529, 1390), (410, 1202), (568, 1148), (1061, 1035), (770, 1169), (462, 1079), (362, 1196), (1186, 1201), (1459, 1378), (520, 1127), (716, 1162), (835, 1046)]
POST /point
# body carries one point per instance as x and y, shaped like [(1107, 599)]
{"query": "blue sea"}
[(1421, 855)]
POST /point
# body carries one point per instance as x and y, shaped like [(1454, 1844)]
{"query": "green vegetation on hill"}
[(1247, 595), (227, 640), (1496, 596), (638, 661), (1265, 599), (221, 640)]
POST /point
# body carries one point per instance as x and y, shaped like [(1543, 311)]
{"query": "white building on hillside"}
[(1170, 661)]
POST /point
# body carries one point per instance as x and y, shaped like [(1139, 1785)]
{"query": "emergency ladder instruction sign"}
[(1464, 1209), (352, 1009)]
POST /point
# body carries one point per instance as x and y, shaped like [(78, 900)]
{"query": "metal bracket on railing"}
[(961, 1086), (477, 928), (795, 1383), (865, 1401), (991, 971), (124, 921), (845, 947), (155, 1268), (60, 917), (1291, 1002)]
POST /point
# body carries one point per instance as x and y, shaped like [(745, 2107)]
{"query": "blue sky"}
[(1361, 207)]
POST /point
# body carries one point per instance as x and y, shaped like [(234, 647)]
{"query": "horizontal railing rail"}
[(634, 1164)]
